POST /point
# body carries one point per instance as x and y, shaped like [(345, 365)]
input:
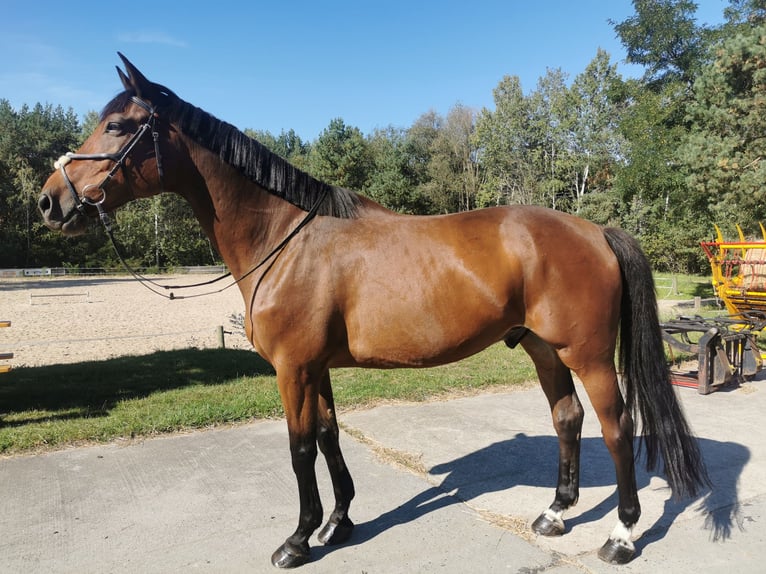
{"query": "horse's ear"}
[(135, 80), (124, 79)]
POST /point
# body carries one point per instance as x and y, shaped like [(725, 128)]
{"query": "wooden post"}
[(221, 340), (3, 356)]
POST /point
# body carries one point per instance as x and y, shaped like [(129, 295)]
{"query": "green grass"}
[(43, 408), (675, 286)]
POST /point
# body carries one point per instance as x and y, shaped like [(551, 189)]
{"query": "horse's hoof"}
[(336, 532), (616, 552), (290, 556), (546, 525)]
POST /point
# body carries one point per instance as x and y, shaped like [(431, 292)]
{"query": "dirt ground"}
[(70, 320)]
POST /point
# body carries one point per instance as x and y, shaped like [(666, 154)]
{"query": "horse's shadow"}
[(531, 461)]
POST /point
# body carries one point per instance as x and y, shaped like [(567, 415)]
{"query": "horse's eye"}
[(114, 127)]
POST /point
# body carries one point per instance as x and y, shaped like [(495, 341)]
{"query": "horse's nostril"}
[(44, 203)]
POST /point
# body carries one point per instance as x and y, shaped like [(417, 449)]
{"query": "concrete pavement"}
[(222, 500)]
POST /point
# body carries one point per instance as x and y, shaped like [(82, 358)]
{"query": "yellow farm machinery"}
[(725, 347)]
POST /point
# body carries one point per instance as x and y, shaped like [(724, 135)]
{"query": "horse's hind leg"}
[(339, 527), (617, 430), (567, 413)]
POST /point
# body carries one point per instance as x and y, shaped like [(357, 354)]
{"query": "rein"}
[(81, 200)]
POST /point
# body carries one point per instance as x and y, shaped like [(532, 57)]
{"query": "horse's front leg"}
[(299, 392), (339, 527)]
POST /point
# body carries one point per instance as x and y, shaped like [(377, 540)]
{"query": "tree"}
[(549, 141), (453, 169), (89, 124), (725, 152), (650, 181), (596, 144), (161, 232), (287, 145), (744, 12), (394, 181), (30, 140), (418, 150), (502, 139), (341, 156), (649, 177), (664, 38)]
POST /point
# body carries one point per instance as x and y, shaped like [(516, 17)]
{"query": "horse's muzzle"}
[(70, 223)]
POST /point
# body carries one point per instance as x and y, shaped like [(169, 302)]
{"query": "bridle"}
[(81, 200)]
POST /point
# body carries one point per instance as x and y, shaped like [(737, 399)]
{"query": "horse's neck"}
[(243, 221)]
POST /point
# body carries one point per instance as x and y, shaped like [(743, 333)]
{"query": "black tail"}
[(646, 375)]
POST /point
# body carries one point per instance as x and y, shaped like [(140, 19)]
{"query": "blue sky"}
[(294, 64)]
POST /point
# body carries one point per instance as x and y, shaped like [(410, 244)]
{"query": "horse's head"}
[(119, 162)]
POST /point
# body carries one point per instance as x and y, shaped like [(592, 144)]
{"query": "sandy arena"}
[(71, 320)]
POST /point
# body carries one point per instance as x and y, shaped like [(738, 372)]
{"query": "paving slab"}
[(222, 500)]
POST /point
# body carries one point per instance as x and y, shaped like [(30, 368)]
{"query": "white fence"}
[(96, 271)]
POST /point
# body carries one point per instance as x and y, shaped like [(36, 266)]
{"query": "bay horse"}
[(331, 279)]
